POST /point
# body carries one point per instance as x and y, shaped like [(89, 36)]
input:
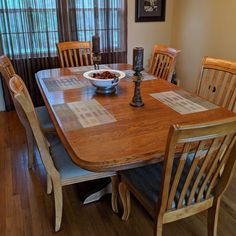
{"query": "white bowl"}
[(104, 86)]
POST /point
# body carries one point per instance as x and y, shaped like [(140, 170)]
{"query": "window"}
[(102, 17), (28, 27), (31, 28)]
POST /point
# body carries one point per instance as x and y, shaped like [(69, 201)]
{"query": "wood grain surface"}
[(139, 135)]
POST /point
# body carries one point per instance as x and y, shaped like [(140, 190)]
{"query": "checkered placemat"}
[(183, 102), (82, 114), (146, 76), (64, 83)]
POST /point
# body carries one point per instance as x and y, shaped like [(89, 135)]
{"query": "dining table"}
[(129, 137)]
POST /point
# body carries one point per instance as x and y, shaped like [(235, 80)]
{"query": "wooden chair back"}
[(163, 62), (75, 54), (8, 71), (25, 106), (210, 149), (217, 82)]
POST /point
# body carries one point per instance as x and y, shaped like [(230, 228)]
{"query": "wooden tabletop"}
[(137, 138)]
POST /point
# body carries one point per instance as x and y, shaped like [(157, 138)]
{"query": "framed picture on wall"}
[(150, 10)]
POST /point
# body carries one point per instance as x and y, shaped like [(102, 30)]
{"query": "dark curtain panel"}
[(30, 29), (106, 18)]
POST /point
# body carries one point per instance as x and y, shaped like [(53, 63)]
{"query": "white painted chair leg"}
[(57, 188), (49, 184)]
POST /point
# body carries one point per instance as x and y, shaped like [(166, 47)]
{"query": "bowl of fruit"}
[(104, 80)]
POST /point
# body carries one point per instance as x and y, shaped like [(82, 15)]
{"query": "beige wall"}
[(202, 27), (146, 34)]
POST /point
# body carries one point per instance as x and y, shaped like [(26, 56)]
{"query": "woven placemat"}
[(183, 102), (146, 76), (82, 114), (64, 83)]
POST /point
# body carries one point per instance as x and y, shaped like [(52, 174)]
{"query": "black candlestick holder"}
[(97, 60), (137, 99)]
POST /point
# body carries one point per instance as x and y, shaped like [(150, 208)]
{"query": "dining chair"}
[(187, 181), (7, 71), (163, 62), (59, 166), (217, 82), (75, 53)]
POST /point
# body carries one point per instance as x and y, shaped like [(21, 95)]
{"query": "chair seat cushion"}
[(68, 170), (147, 181), (44, 119)]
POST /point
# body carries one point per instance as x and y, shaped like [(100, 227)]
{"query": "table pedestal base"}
[(93, 191), (96, 195)]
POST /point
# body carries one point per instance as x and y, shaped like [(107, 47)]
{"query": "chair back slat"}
[(166, 69), (220, 81), (153, 66), (196, 160), (217, 82), (163, 62), (158, 65), (230, 91), (163, 66), (178, 174), (232, 102), (86, 56), (206, 160), (225, 78), (81, 57), (76, 57), (219, 153), (221, 164), (66, 58), (75, 53), (71, 58), (190, 174), (61, 59)]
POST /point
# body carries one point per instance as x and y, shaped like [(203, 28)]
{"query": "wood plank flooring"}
[(26, 209)]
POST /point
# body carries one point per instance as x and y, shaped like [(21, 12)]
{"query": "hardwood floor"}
[(26, 209)]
